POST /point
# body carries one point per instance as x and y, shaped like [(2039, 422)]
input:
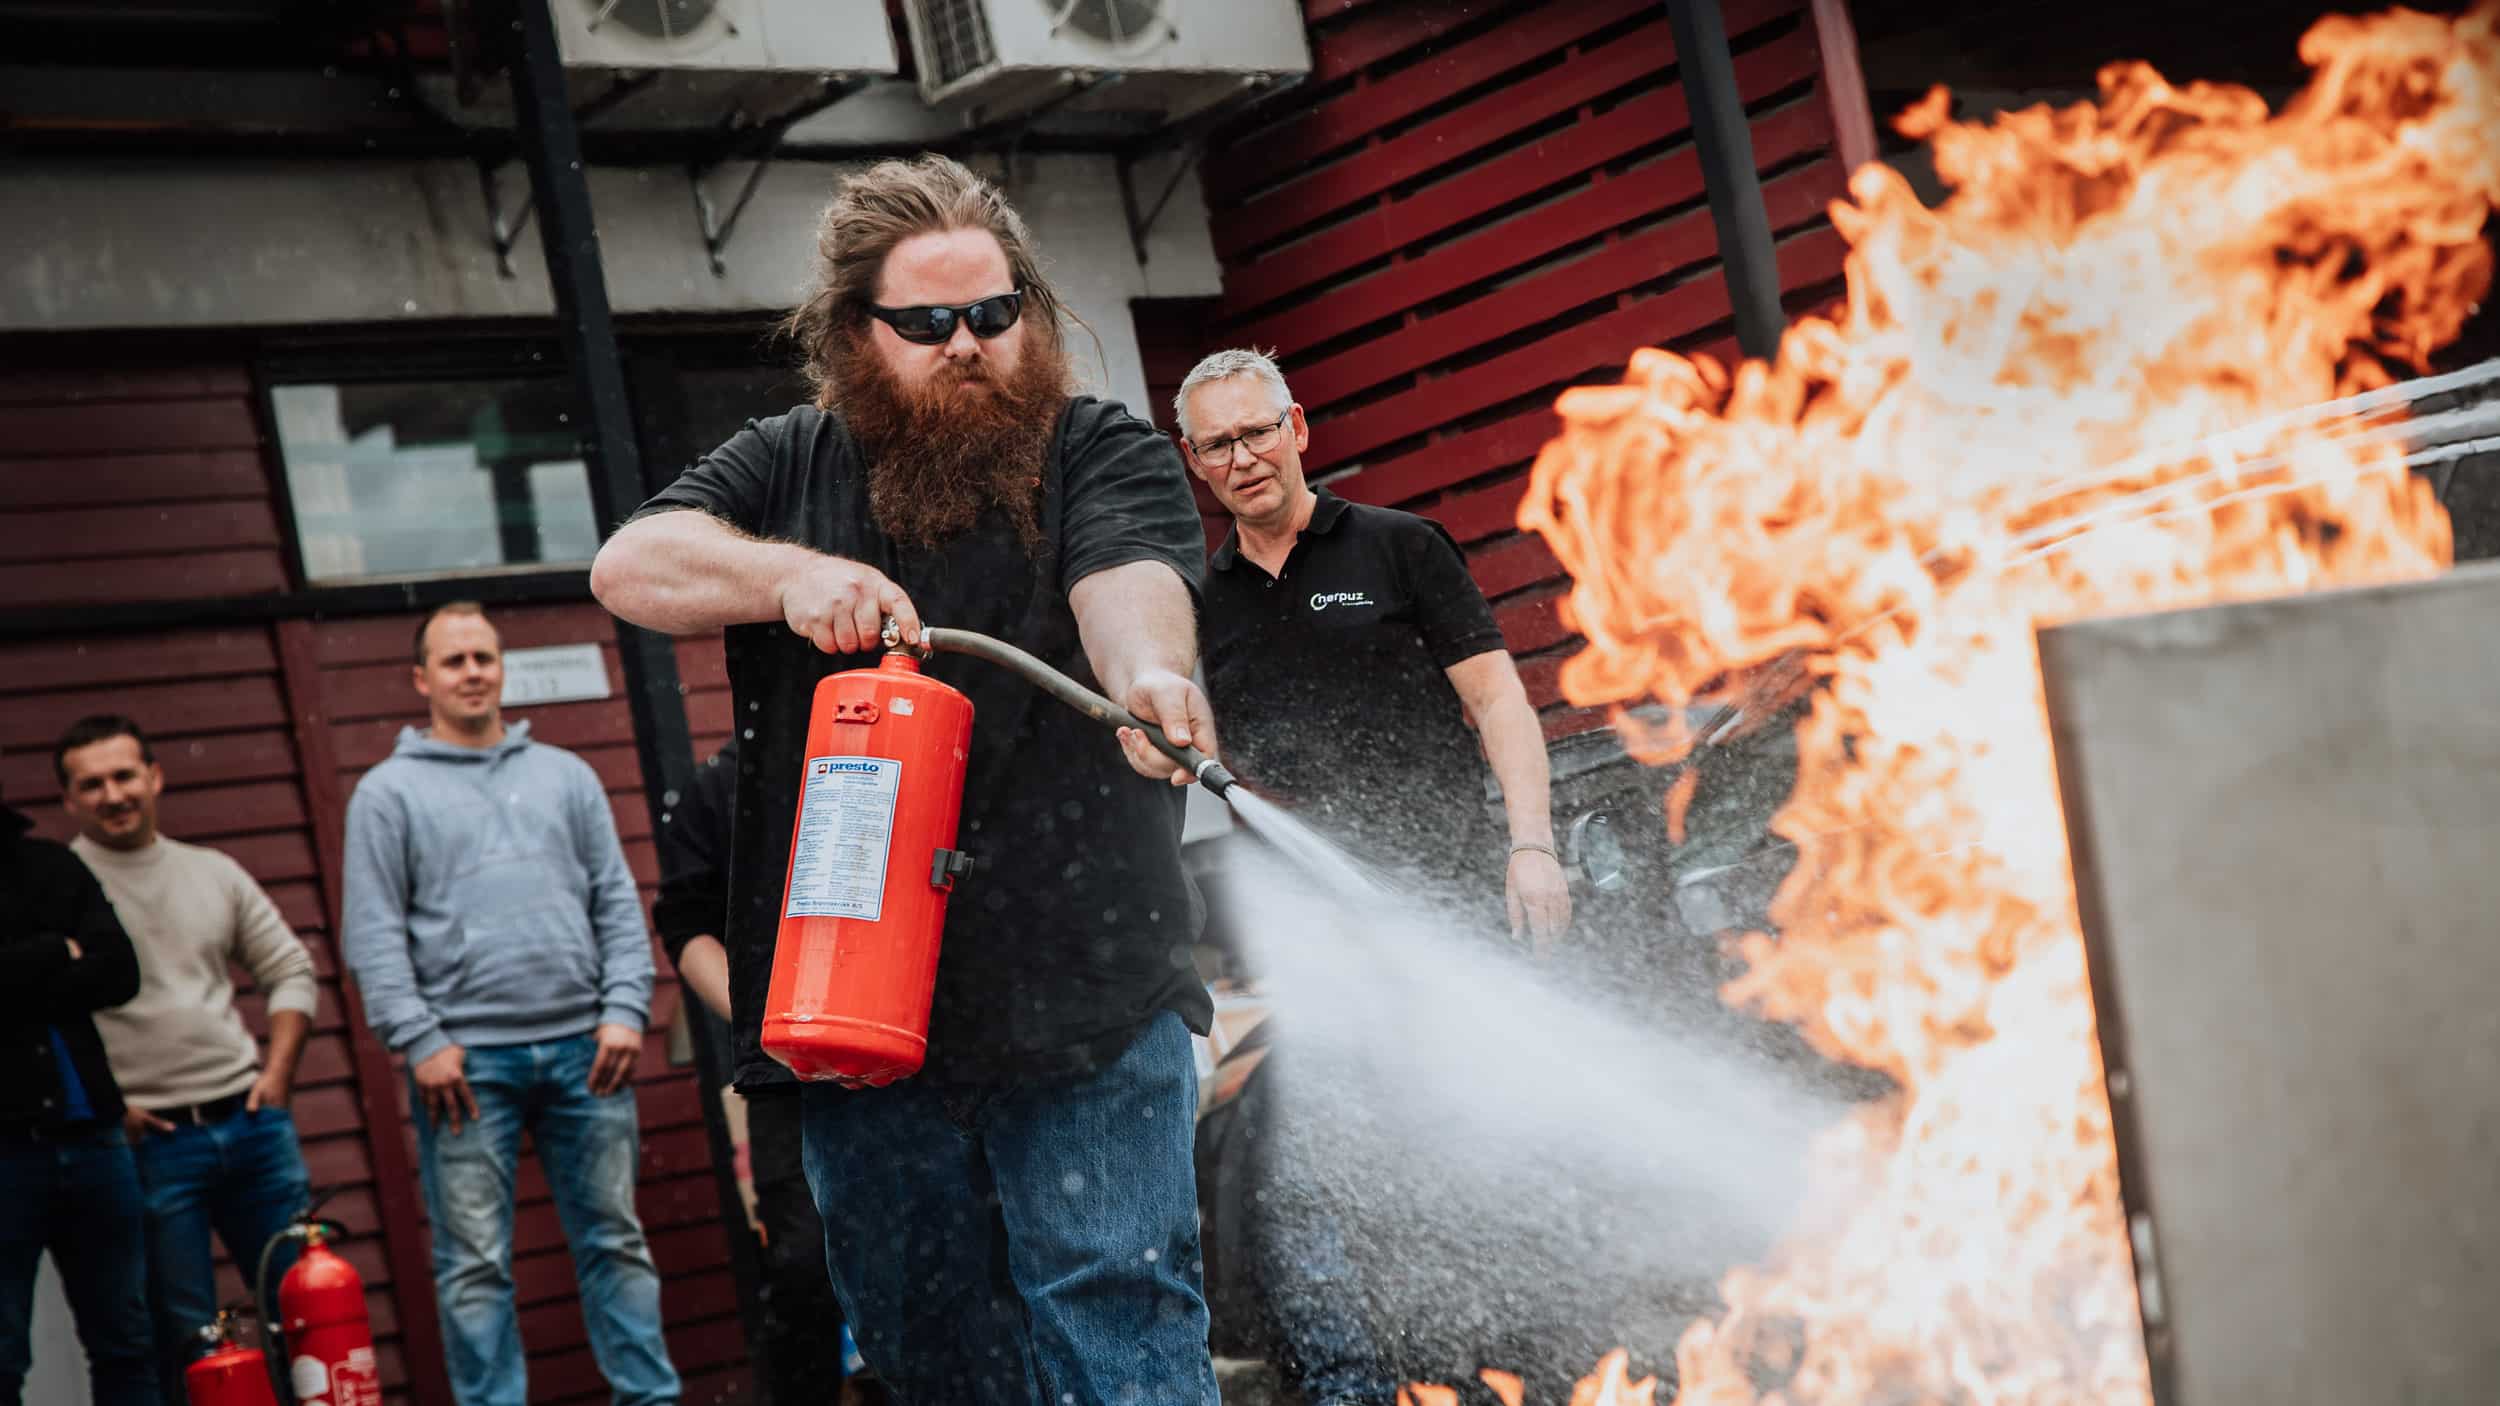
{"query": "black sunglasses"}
[(934, 325)]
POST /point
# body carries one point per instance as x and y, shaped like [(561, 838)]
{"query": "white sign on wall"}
[(555, 673)]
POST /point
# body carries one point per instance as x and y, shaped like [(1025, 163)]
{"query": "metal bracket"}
[(1191, 139), (1142, 222), (757, 141), (618, 90), (502, 232), (946, 864), (1014, 128), (715, 227)]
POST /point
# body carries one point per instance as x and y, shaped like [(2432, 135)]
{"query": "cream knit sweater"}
[(192, 913)]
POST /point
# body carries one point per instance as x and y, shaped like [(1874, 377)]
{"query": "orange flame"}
[(2072, 389)]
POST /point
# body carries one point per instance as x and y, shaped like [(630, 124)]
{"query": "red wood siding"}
[(1470, 208), (134, 485)]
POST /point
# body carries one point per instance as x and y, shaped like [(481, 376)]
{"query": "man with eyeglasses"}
[(1359, 676), (1357, 666), (1017, 1224)]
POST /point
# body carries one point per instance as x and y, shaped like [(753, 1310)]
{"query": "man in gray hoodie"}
[(496, 933)]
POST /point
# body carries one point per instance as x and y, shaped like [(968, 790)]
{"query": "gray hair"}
[(1258, 365)]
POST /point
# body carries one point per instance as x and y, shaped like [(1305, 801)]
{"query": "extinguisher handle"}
[(1209, 772)]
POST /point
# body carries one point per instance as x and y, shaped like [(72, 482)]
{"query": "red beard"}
[(942, 453)]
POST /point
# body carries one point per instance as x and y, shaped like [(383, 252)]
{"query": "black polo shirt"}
[(1076, 931), (1331, 694)]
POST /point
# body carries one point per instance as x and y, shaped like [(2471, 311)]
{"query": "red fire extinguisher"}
[(228, 1373), (872, 860), (329, 1340), (324, 1341)]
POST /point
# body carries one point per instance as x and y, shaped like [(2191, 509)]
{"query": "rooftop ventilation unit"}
[(701, 56), (994, 59)]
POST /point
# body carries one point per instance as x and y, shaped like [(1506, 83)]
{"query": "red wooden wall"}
[(126, 486), (1471, 206)]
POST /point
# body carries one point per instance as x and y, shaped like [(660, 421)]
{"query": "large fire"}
[(2072, 389)]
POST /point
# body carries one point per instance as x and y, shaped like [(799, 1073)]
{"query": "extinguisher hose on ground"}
[(1209, 772)]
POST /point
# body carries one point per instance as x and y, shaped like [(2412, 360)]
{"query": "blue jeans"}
[(590, 1146), (77, 1195), (244, 1179), (1021, 1244)]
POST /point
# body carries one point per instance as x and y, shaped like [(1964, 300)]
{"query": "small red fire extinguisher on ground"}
[(329, 1340), (872, 860), (228, 1373), (326, 1337)]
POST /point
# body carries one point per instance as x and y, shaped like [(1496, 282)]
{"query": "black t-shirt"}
[(1076, 929), (694, 856), (693, 838), (1331, 692)]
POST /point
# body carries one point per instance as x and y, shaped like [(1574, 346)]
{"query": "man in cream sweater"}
[(207, 1113)]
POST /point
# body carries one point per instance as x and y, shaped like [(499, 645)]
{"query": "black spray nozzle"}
[(1209, 772)]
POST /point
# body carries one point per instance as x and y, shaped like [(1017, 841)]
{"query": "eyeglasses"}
[(1258, 441), (934, 324)]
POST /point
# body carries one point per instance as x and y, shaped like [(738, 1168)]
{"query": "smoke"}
[(1523, 1169)]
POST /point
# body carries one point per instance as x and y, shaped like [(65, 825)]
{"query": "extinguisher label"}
[(846, 829), (358, 1379)]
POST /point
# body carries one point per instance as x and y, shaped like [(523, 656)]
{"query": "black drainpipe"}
[(1708, 73)]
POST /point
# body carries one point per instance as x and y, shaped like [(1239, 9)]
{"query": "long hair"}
[(880, 208)]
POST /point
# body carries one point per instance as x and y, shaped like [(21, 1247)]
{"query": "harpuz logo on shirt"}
[(1321, 600)]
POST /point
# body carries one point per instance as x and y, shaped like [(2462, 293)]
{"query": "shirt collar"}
[(1324, 517)]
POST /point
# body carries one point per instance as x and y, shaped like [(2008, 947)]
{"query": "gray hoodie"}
[(488, 901)]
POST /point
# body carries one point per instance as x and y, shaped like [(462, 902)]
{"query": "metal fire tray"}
[(2285, 821)]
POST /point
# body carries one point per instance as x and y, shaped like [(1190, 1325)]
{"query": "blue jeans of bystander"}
[(591, 1150), (76, 1194), (242, 1177)]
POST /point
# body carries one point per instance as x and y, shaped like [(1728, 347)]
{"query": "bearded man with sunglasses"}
[(1016, 1224)]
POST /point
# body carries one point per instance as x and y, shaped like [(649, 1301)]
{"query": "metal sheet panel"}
[(2285, 818)]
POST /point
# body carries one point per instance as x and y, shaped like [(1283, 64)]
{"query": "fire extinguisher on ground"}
[(228, 1372), (321, 1319), (316, 1340)]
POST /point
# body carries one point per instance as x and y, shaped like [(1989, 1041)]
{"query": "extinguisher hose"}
[(1209, 772)]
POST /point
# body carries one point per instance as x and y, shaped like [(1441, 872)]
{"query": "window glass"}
[(404, 478)]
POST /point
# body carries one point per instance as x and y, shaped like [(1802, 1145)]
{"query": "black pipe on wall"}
[(1725, 143)]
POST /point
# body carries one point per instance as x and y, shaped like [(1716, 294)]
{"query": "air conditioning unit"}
[(997, 58), (698, 55)]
